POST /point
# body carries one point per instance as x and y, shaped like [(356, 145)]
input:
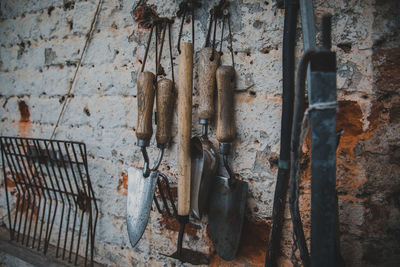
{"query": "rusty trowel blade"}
[(140, 198), (225, 215)]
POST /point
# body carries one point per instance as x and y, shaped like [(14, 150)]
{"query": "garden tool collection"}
[(142, 182), (196, 177)]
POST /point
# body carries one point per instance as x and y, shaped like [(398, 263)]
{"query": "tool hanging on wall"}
[(204, 161), (142, 183), (228, 195), (185, 84)]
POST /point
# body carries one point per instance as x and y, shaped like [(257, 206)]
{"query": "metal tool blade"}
[(204, 168), (225, 215), (140, 198)]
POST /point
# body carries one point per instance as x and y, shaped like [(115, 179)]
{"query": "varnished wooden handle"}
[(207, 69), (145, 100), (164, 103), (185, 83), (225, 87)]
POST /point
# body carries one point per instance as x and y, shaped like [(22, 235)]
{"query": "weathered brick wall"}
[(40, 46)]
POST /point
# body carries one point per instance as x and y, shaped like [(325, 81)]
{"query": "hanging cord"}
[(210, 24), (214, 35), (222, 35), (170, 55), (230, 47), (184, 8), (226, 17), (72, 83), (147, 49), (180, 32), (156, 56)]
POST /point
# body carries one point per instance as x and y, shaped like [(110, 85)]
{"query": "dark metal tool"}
[(322, 112), (282, 181), (228, 195), (54, 196)]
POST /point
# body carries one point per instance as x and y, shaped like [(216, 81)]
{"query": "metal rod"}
[(180, 239), (147, 50), (166, 182), (164, 200), (159, 159), (170, 55)]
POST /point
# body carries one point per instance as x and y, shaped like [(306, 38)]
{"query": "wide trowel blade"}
[(140, 198), (225, 215)]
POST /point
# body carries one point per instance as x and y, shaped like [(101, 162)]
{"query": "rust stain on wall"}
[(9, 182), (253, 246), (24, 124), (122, 188)]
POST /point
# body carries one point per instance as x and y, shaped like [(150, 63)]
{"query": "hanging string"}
[(214, 35), (89, 36), (230, 47), (147, 49), (170, 55), (222, 35), (180, 31)]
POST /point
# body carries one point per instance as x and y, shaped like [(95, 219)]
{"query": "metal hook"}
[(146, 169), (159, 158)]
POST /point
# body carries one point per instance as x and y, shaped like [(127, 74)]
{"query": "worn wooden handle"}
[(145, 100), (185, 83), (164, 103), (225, 87), (207, 69)]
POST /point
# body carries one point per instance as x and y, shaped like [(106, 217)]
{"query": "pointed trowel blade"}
[(140, 198), (225, 215)]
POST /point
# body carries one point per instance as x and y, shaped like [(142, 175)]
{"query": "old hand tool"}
[(142, 182), (228, 196), (185, 82), (203, 154)]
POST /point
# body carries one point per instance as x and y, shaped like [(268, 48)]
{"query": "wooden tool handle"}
[(226, 85), (207, 69), (145, 100), (164, 103), (185, 83)]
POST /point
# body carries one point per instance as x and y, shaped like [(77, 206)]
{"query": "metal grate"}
[(49, 196)]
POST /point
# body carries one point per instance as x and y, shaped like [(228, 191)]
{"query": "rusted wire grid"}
[(53, 192)]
